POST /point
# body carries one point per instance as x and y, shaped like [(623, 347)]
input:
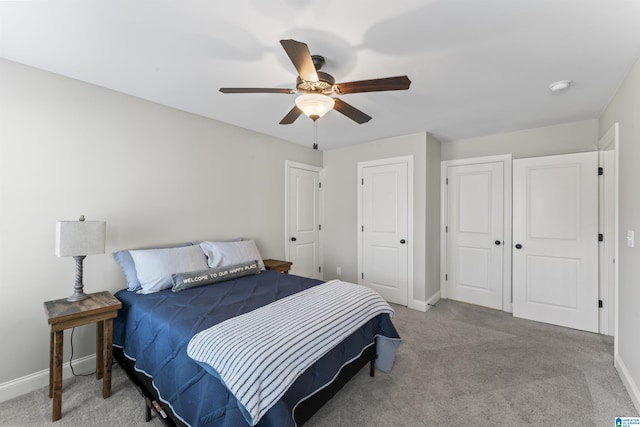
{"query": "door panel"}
[(385, 225), (475, 223), (561, 205), (383, 266), (546, 272), (304, 213), (555, 223), (472, 268), (303, 256)]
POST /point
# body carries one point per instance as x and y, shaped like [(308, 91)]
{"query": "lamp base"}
[(77, 296), (78, 292)]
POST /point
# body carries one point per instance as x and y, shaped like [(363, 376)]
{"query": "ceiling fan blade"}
[(374, 85), (291, 116), (255, 90), (350, 111), (299, 54)]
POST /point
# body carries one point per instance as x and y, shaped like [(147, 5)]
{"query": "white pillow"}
[(154, 267), (223, 254)]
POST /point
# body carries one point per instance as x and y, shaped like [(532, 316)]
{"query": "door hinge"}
[(362, 181), (362, 228), (363, 275), (600, 171), (446, 180), (319, 185), (319, 227), (319, 269), (600, 237), (446, 228), (446, 277), (600, 303)]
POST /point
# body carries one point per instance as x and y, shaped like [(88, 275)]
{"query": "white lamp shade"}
[(314, 105), (78, 238)]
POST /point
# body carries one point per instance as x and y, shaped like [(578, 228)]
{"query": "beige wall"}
[(624, 109), (156, 175), (545, 141), (341, 206)]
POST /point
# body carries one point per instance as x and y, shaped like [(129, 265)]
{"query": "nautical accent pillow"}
[(221, 254), (182, 281), (155, 266)]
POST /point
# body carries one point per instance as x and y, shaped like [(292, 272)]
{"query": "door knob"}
[(293, 239), (498, 242), (518, 246), (403, 241)]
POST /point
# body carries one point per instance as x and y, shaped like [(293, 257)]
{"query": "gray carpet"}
[(458, 365)]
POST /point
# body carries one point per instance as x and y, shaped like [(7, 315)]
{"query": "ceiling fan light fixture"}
[(314, 105)]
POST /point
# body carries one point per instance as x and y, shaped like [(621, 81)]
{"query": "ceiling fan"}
[(317, 87)]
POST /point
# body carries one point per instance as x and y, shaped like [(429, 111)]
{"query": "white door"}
[(475, 241), (384, 228), (555, 235), (304, 221)]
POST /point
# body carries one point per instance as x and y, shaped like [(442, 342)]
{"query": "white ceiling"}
[(478, 67)]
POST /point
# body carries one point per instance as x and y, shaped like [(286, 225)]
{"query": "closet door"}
[(555, 235), (475, 247), (384, 229)]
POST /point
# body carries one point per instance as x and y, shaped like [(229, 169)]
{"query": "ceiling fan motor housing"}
[(318, 61), (324, 84)]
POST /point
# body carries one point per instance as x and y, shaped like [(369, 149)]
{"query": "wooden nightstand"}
[(277, 265), (100, 308)]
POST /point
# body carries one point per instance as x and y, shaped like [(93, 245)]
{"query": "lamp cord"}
[(71, 360)]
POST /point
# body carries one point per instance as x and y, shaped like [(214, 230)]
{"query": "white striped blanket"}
[(258, 355)]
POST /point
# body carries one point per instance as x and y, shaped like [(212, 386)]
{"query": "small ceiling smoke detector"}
[(559, 86)]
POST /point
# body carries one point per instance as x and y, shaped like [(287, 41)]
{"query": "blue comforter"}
[(155, 329)]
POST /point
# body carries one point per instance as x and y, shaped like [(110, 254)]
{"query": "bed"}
[(153, 331)]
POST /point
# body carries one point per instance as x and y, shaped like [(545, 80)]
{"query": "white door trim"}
[(506, 160), (608, 197), (411, 302), (289, 164)]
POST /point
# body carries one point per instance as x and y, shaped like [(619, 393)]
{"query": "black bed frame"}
[(303, 412)]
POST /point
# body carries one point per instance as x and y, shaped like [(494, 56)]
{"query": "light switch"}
[(630, 238)]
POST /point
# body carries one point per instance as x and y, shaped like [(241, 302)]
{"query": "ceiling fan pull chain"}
[(315, 134)]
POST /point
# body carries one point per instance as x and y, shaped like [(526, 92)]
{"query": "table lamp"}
[(79, 239)]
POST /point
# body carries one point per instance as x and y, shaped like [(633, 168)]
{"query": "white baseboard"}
[(425, 305), (433, 300), (629, 383), (417, 305), (31, 382)]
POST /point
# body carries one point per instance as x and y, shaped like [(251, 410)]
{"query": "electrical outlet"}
[(338, 271), (630, 238)]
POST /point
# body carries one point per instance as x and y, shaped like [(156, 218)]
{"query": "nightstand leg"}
[(57, 375), (99, 351), (51, 340), (108, 335)]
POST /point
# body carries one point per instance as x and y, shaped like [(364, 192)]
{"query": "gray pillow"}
[(182, 281), (128, 267)]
